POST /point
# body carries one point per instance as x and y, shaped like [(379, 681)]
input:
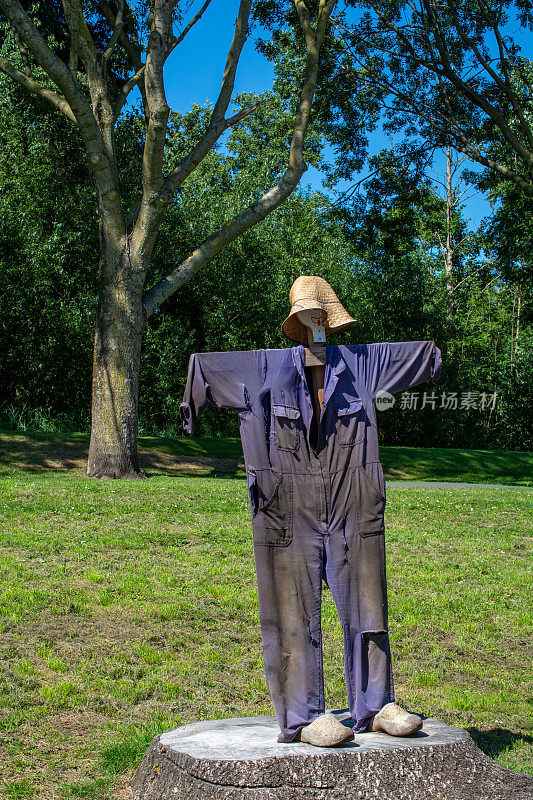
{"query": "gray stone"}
[(240, 759)]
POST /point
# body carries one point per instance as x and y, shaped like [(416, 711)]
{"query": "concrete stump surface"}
[(240, 759)]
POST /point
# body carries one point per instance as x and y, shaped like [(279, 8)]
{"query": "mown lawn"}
[(128, 608), (185, 454)]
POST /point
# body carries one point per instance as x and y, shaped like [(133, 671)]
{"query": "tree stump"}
[(240, 759)]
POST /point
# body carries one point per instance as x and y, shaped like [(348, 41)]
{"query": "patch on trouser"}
[(368, 674), (374, 649)]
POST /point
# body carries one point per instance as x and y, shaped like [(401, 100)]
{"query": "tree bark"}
[(120, 323), (448, 251)]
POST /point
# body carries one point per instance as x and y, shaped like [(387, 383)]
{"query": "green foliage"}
[(515, 419), (508, 236), (240, 299), (379, 248), (48, 265)]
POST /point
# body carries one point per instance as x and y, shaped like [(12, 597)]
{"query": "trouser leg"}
[(289, 590), (355, 569)]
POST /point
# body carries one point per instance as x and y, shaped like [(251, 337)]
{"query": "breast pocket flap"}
[(351, 408), (286, 411)]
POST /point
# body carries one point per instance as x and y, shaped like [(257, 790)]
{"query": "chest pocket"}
[(286, 426), (350, 423)]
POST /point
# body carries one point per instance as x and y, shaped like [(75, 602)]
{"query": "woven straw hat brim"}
[(312, 292), (296, 331)]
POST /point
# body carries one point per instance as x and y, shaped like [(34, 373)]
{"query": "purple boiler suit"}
[(317, 496)]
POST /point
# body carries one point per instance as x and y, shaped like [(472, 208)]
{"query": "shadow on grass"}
[(35, 453), (468, 466), (497, 740), (184, 455), (127, 752), (38, 452)]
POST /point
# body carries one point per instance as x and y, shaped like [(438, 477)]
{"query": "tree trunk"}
[(448, 255), (117, 351), (518, 314)]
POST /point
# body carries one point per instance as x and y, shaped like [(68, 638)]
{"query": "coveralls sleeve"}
[(228, 380), (396, 366)]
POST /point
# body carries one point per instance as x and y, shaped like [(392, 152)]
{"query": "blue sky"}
[(194, 70), (194, 73)]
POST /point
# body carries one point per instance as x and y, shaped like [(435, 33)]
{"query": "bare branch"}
[(191, 24), (158, 108), (128, 37), (440, 122), (126, 89), (158, 191), (134, 51), (135, 80), (24, 56), (245, 112), (467, 90), (526, 128), (461, 196), (81, 36), (354, 188), (465, 237), (217, 123), (312, 46), (98, 150), (37, 89), (505, 85), (269, 201), (95, 67), (223, 236), (117, 32), (70, 9), (468, 277)]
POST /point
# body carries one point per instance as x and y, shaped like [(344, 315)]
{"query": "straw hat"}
[(310, 292)]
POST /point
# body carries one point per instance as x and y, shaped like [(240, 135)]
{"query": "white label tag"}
[(314, 320), (319, 332)]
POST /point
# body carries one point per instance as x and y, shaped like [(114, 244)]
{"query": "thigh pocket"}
[(271, 509), (350, 423), (286, 427), (370, 504)]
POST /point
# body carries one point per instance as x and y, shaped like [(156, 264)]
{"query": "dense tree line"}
[(380, 247)]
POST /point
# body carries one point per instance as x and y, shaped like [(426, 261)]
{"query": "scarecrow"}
[(307, 418)]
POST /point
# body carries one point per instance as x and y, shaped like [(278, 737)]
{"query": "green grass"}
[(185, 455), (462, 466), (128, 608)]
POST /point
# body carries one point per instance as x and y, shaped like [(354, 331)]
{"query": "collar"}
[(334, 360), (335, 364), (298, 358)]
